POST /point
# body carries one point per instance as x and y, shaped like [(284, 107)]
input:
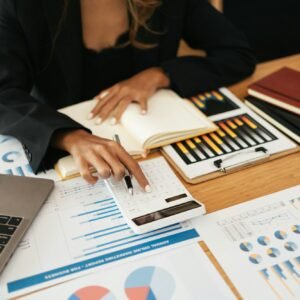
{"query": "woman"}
[(54, 53)]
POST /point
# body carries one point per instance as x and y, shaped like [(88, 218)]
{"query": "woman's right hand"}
[(106, 156)]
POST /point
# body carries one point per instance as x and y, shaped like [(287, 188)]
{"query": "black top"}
[(103, 69), (41, 63)]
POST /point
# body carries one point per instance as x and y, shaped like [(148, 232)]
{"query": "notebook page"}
[(79, 113), (167, 114)]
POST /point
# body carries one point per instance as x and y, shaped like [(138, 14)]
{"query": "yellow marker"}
[(207, 95), (182, 148), (221, 133), (197, 140), (202, 98), (231, 124), (191, 144), (238, 121), (248, 122), (216, 138), (198, 103), (212, 144), (227, 129), (218, 95)]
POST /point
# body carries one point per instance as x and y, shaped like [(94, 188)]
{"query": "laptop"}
[(20, 200)]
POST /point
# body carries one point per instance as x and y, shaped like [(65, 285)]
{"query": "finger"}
[(102, 100), (118, 169), (85, 171), (100, 165), (144, 106), (109, 107), (121, 108), (134, 168)]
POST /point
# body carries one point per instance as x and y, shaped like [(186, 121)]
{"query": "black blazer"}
[(41, 71)]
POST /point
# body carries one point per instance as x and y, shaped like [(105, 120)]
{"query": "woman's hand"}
[(114, 100), (106, 156)]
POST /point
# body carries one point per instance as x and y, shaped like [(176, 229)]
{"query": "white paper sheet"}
[(182, 273), (79, 230), (13, 160), (258, 244)]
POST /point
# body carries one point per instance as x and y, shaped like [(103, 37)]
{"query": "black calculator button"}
[(4, 239), (4, 219), (15, 221), (7, 229)]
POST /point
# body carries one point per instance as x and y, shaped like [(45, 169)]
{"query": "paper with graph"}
[(258, 244), (182, 273)]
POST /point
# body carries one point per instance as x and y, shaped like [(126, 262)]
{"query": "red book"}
[(281, 89)]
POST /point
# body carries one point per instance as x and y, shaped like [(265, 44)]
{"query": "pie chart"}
[(245, 246), (296, 228), (92, 292), (255, 258), (290, 246), (273, 252), (150, 283), (263, 240), (280, 234)]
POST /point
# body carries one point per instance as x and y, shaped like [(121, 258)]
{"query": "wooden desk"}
[(256, 181)]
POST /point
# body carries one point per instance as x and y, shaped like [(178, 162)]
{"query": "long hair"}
[(140, 12)]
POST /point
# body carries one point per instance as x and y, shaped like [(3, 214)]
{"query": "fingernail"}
[(98, 121), (113, 121), (143, 112), (148, 189), (90, 116), (103, 94)]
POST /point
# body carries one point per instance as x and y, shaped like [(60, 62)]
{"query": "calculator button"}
[(4, 239), (9, 230), (4, 219), (15, 221)]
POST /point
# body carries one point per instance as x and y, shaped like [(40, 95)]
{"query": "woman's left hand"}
[(114, 100)]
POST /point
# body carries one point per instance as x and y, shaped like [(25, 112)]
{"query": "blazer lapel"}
[(68, 43)]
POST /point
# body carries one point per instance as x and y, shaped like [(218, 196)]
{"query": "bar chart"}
[(234, 134), (213, 103)]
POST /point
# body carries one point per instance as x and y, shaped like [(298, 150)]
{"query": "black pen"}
[(127, 177)]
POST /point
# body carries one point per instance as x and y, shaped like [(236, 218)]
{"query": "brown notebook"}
[(281, 89)]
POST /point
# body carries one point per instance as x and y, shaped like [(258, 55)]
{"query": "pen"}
[(127, 177)]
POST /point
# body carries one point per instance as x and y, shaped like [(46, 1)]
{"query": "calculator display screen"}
[(165, 213)]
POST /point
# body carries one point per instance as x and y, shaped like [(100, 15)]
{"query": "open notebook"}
[(169, 119)]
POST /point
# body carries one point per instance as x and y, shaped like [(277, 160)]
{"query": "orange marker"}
[(218, 95), (231, 124), (197, 140), (191, 144), (212, 144), (182, 148), (198, 103), (248, 122), (221, 133), (227, 129), (216, 138), (202, 98), (238, 121)]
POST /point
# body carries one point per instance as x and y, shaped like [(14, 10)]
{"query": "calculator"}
[(167, 204)]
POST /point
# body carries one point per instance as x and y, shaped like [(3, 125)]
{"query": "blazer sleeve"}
[(229, 57), (22, 116)]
